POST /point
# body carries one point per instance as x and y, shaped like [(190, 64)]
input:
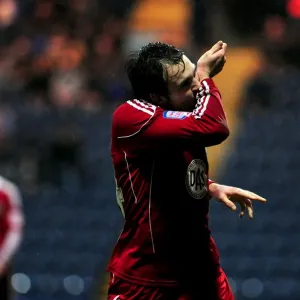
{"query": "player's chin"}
[(186, 107), (185, 104), (190, 104)]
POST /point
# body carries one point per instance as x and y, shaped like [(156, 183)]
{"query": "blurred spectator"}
[(247, 17), (8, 12), (56, 59), (63, 151)]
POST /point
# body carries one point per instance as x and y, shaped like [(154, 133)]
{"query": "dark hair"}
[(147, 69)]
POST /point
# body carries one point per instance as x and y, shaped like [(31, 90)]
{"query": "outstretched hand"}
[(230, 196)]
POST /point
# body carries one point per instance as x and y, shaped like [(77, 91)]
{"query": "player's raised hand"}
[(230, 196), (212, 62)]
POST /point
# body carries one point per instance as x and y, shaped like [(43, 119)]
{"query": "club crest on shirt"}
[(196, 179), (179, 115)]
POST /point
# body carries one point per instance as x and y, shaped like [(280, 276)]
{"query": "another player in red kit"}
[(165, 250), (11, 227)]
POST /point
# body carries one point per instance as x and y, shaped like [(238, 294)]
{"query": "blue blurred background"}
[(61, 76)]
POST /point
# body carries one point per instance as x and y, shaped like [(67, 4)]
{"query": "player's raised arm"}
[(148, 124), (176, 101)]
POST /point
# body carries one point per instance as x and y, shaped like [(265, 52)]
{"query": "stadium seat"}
[(265, 160), (71, 231)]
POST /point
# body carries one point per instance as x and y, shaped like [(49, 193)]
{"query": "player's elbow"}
[(223, 134), (218, 135)]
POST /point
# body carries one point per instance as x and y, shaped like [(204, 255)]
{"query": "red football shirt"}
[(161, 173), (11, 221)]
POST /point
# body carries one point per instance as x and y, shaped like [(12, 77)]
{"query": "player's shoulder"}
[(132, 115), (135, 108)]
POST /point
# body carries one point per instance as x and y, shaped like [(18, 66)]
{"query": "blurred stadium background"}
[(61, 75)]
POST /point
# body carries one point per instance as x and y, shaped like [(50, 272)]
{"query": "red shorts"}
[(120, 289)]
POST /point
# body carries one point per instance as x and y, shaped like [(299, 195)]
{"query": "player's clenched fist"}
[(212, 62)]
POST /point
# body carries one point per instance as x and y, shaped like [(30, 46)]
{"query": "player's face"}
[(182, 85)]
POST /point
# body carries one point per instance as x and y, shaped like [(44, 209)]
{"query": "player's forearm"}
[(202, 75), (145, 125), (209, 114), (210, 184)]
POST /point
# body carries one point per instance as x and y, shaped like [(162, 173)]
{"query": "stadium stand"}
[(261, 256)]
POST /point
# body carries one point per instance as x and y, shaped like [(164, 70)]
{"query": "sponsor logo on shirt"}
[(179, 115), (196, 179)]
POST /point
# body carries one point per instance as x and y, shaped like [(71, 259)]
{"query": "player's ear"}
[(158, 100)]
